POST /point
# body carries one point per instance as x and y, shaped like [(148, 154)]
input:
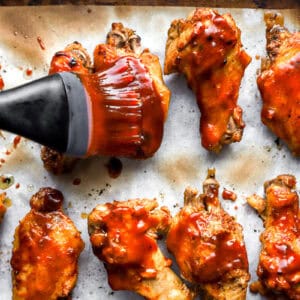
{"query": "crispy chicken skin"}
[(45, 250), (208, 245), (279, 262), (74, 58), (2, 206), (206, 47), (278, 82), (123, 236)]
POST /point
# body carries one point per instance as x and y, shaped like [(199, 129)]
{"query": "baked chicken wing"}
[(45, 250), (2, 206), (135, 101), (207, 49), (279, 82), (279, 262), (208, 245), (123, 236)]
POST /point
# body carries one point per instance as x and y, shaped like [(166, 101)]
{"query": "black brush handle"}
[(51, 111)]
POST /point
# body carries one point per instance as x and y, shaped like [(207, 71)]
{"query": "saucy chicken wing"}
[(45, 250), (208, 245), (207, 49), (279, 84), (123, 236), (2, 206), (279, 262), (128, 120)]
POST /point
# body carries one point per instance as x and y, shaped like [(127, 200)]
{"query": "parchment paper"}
[(180, 161)]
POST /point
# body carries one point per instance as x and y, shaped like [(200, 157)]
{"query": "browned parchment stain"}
[(248, 168), (180, 170)]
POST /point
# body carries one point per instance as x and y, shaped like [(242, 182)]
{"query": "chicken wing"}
[(207, 49), (279, 80), (208, 245), (123, 236), (279, 261), (45, 250), (136, 100), (74, 58), (2, 206)]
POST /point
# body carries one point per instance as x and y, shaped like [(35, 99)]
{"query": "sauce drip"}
[(41, 43), (114, 167), (229, 195), (16, 141), (279, 264), (126, 112), (1, 83)]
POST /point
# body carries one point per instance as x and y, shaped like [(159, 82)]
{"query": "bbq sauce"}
[(125, 246), (223, 252), (126, 112)]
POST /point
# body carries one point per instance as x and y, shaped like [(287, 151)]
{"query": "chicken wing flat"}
[(279, 80), (207, 49), (208, 245), (2, 206), (74, 58), (123, 236), (279, 261), (45, 250)]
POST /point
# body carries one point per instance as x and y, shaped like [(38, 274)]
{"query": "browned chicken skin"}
[(120, 42), (123, 236), (279, 261), (208, 245), (279, 82), (45, 250), (207, 49)]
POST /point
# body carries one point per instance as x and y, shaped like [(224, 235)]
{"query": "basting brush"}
[(113, 112)]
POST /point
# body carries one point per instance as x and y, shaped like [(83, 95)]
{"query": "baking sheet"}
[(180, 161)]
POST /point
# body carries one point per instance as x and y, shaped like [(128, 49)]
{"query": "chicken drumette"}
[(208, 245), (123, 236), (45, 250), (279, 261), (136, 100), (279, 82), (207, 49)]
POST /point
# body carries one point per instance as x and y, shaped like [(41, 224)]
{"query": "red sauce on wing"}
[(127, 117), (47, 250), (201, 255), (279, 265), (206, 65), (126, 247), (67, 61)]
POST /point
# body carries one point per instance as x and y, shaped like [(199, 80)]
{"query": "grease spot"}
[(180, 170)]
